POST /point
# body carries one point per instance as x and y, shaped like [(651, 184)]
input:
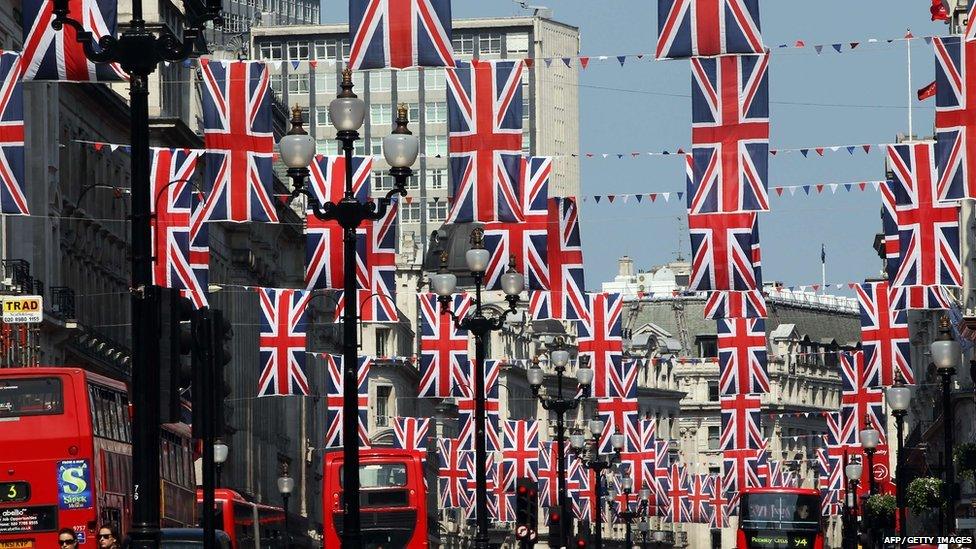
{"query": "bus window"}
[(37, 396), (381, 475)]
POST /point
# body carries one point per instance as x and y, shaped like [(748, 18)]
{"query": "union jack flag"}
[(928, 230), (903, 298), (520, 451), (742, 356), (700, 490), (740, 422), (58, 55), (687, 28), (239, 141), (748, 304), (410, 433), (566, 299), (376, 271), (400, 34), (451, 474), (884, 336), (831, 463), (955, 112), (728, 165), (12, 198), (443, 346), (323, 239), (501, 507), (742, 469), (600, 338), (638, 462), (620, 415), (861, 402), (718, 505), (525, 241), (333, 401), (970, 33), (662, 486), (889, 226), (678, 494), (464, 389), (484, 105), (175, 223), (284, 325), (775, 477), (725, 252), (549, 474)]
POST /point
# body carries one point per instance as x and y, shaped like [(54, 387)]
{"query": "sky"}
[(859, 96)]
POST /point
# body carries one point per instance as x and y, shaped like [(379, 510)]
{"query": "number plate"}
[(17, 544), (14, 491)]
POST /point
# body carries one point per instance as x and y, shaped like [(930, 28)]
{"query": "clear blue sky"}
[(827, 99)]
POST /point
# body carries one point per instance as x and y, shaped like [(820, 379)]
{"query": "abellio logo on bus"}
[(74, 484)]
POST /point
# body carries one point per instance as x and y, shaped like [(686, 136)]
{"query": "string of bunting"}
[(584, 61), (779, 190)]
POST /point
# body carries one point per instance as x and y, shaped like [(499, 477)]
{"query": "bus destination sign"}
[(14, 491), (15, 520)]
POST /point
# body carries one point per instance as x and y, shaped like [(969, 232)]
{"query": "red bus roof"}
[(377, 453), (72, 370)]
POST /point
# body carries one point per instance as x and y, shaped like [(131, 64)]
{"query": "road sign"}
[(23, 309)]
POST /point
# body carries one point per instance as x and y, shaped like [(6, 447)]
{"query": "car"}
[(190, 538)]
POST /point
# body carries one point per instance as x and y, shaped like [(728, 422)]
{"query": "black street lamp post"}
[(512, 283), (139, 51), (286, 484), (945, 355), (400, 149), (559, 405), (629, 516), (899, 398), (592, 460), (870, 438), (853, 472)]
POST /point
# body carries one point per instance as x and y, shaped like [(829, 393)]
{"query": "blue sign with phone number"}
[(74, 484)]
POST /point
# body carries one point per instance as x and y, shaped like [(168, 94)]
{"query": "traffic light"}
[(203, 379), (175, 343), (555, 527), (526, 510), (581, 542), (222, 334)]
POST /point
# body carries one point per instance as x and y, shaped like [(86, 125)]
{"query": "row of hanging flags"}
[(494, 185)]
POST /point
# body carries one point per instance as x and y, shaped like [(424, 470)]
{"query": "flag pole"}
[(823, 268), (908, 42)]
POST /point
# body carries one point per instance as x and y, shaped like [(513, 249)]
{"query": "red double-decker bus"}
[(780, 518), (251, 525), (66, 459), (392, 499)]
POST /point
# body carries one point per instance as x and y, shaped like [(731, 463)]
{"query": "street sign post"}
[(23, 309)]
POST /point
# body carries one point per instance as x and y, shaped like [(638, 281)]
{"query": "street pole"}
[(203, 333), (598, 499), (947, 428), (480, 454), (900, 476), (870, 454), (561, 467), (628, 539), (138, 51)]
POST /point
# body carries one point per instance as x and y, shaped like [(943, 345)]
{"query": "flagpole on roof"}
[(908, 46), (823, 268)]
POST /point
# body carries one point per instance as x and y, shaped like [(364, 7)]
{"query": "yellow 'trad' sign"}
[(23, 309)]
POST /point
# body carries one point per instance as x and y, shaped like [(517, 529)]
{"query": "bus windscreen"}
[(765, 511), (34, 396)]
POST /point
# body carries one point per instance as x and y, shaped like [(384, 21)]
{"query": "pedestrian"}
[(67, 538), (108, 537)]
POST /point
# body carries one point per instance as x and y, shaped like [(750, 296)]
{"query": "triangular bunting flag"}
[(876, 184), (529, 62), (680, 194), (584, 61), (850, 151), (567, 61), (819, 150), (611, 197), (804, 152), (625, 197), (653, 197), (820, 188), (639, 197), (854, 44), (836, 47), (833, 188), (867, 148), (667, 196), (773, 152), (847, 186), (779, 191), (799, 44), (597, 198), (621, 59), (818, 48), (861, 185)]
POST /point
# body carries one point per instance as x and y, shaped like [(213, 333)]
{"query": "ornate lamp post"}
[(589, 456), (286, 485), (221, 453), (630, 516), (899, 397), (400, 149), (945, 355), (853, 471), (659, 536), (560, 405), (138, 51), (869, 438), (444, 283)]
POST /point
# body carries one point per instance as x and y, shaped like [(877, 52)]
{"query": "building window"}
[(376, 146), (382, 340), (713, 434), (359, 149), (413, 112), (517, 43), (380, 114), (413, 183), (297, 50), (435, 79), (382, 181), (437, 211), (436, 112), (490, 44), (463, 45), (320, 49), (358, 80), (408, 81), (270, 50), (707, 346), (436, 179), (379, 81), (383, 393), (435, 145), (410, 213), (345, 48), (298, 83), (713, 391), (324, 82), (276, 83)]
